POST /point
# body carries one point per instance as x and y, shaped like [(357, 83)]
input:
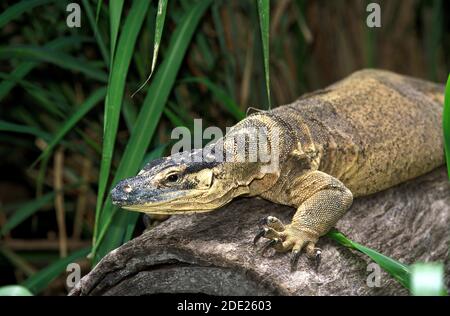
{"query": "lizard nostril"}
[(127, 188)]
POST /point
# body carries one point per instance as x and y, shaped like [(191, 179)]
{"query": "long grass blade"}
[(24, 68), (97, 34), (60, 59), (116, 88), (97, 11), (80, 112), (396, 269), (25, 211), (18, 9), (17, 261), (39, 281), (24, 129), (115, 12), (220, 95), (160, 17), (264, 17), (115, 224), (433, 38)]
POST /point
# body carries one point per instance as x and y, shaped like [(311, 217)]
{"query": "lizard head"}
[(174, 185)]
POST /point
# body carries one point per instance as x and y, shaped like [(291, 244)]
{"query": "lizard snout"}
[(121, 192)]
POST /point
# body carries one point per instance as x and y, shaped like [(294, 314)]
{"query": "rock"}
[(213, 253)]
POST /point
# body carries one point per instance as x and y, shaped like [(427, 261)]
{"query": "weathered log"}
[(213, 253)]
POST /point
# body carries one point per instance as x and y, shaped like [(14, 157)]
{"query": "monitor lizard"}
[(363, 134)]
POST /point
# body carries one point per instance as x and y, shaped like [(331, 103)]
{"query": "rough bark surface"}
[(213, 253)]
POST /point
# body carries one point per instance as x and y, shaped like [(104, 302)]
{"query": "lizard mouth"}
[(160, 211), (144, 200)]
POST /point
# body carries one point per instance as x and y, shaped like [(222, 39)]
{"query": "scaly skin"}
[(364, 134)]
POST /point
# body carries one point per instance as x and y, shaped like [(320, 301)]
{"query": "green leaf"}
[(220, 95), (264, 17), (97, 11), (18, 9), (427, 279), (43, 278), (24, 212), (446, 125), (173, 118), (129, 112), (80, 112), (115, 12), (60, 59), (42, 96), (24, 129), (116, 88), (14, 290), (95, 29), (160, 17), (17, 261), (433, 38), (113, 224), (396, 269), (24, 68)]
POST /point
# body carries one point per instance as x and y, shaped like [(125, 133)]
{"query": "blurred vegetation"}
[(70, 128)]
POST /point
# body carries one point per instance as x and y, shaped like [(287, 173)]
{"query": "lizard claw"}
[(317, 258), (271, 243), (272, 222), (295, 255), (259, 235), (288, 237)]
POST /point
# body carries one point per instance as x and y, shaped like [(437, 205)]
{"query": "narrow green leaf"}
[(160, 17), (24, 68), (97, 12), (40, 180), (24, 129), (116, 88), (173, 118), (95, 29), (396, 269), (220, 95), (129, 112), (14, 290), (446, 125), (182, 114), (115, 224), (18, 9), (115, 12), (434, 39), (60, 59), (17, 261), (264, 17), (42, 96), (24, 212), (43, 278), (80, 112)]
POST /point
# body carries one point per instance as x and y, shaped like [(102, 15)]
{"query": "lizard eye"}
[(172, 178)]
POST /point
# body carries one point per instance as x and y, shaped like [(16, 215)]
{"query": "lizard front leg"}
[(327, 200)]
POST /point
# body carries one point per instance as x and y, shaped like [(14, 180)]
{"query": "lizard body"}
[(364, 134)]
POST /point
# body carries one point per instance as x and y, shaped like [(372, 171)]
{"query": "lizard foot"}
[(283, 238)]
